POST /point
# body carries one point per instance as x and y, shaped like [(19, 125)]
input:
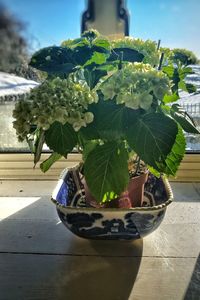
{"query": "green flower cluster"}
[(148, 48), (56, 100), (136, 85)]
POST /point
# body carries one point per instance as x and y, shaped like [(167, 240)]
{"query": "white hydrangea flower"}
[(136, 85)]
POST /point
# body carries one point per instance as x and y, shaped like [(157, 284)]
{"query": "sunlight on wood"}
[(18, 203)]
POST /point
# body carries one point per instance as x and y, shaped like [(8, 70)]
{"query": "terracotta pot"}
[(136, 189), (132, 197)]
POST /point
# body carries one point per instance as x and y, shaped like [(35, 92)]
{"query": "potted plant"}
[(118, 111)]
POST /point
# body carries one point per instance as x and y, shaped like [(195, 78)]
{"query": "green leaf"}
[(38, 145), (184, 71), (106, 171), (46, 164), (177, 75), (173, 74), (171, 98), (92, 77), (88, 147), (174, 158), (110, 121), (101, 45), (191, 88), (113, 120), (183, 58), (126, 54), (53, 60), (182, 117), (96, 59), (79, 42), (102, 42), (109, 66), (182, 85), (169, 70), (152, 138), (82, 55), (61, 138), (90, 132)]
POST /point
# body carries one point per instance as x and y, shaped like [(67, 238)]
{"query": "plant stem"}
[(138, 166), (120, 61), (161, 61)]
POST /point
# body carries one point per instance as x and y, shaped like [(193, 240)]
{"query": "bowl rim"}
[(132, 209)]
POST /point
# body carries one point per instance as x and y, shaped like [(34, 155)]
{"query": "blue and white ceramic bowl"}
[(110, 223)]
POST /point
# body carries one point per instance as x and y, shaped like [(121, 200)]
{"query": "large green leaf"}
[(101, 45), (152, 138), (53, 60), (109, 118), (106, 171), (79, 42), (126, 54), (61, 138), (183, 118), (46, 164), (90, 132), (96, 59), (61, 59), (174, 158), (92, 77), (110, 121), (82, 54), (88, 147)]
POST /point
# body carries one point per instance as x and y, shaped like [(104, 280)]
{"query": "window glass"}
[(191, 103), (36, 24), (8, 139)]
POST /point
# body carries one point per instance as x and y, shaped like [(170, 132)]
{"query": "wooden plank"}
[(164, 279), (62, 277), (191, 158), (29, 231), (27, 167), (8, 165), (41, 259), (20, 166), (72, 156), (24, 188), (59, 164), (188, 166), (29, 157), (187, 175), (28, 172), (30, 177), (185, 179)]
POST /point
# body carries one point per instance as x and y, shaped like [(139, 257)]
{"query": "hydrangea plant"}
[(103, 99), (148, 48)]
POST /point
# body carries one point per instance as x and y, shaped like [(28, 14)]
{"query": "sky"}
[(49, 22)]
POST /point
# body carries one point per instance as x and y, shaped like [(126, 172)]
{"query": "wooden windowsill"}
[(19, 166)]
